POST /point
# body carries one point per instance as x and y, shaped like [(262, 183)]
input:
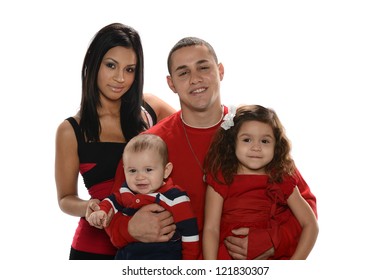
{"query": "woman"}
[(113, 110)]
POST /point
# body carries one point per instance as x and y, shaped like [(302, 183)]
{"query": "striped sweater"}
[(173, 198)]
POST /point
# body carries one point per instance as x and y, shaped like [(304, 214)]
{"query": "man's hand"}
[(152, 223), (266, 254), (238, 245)]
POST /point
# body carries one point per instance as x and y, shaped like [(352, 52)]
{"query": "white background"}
[(324, 66)]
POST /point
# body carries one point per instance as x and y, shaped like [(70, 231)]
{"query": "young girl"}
[(252, 182)]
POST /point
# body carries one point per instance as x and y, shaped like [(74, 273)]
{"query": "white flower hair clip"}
[(228, 118)]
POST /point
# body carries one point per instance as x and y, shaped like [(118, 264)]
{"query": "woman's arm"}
[(307, 219), (160, 107), (66, 172), (211, 228)]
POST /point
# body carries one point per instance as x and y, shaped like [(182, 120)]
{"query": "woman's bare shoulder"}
[(65, 129)]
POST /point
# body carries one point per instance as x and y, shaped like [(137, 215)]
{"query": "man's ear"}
[(221, 70), (170, 84)]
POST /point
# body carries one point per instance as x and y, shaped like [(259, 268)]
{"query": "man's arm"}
[(148, 224)]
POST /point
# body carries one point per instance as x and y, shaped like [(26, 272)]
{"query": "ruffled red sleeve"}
[(288, 185), (222, 189)]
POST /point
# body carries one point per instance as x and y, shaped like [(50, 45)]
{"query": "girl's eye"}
[(149, 169), (247, 140), (132, 171), (266, 141), (130, 69)]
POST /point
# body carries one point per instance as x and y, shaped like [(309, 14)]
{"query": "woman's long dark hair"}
[(113, 35)]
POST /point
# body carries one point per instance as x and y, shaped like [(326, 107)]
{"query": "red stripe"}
[(101, 190), (84, 167)]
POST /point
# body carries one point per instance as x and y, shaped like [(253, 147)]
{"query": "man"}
[(195, 75)]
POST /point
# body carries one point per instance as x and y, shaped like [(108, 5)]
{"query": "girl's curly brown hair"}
[(221, 157)]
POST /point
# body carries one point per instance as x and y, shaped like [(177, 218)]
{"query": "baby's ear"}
[(168, 169)]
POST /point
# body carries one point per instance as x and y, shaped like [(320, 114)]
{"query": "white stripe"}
[(125, 190), (152, 194), (168, 201), (193, 238), (112, 204), (176, 201)]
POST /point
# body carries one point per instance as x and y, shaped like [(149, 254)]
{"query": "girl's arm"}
[(211, 228), (307, 219)]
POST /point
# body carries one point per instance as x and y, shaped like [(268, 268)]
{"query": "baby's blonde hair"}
[(147, 141)]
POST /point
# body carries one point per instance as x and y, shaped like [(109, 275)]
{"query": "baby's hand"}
[(98, 219)]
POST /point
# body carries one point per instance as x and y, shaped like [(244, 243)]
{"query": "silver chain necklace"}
[(193, 153), (189, 143)]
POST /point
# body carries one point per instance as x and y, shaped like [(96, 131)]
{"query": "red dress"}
[(250, 201)]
